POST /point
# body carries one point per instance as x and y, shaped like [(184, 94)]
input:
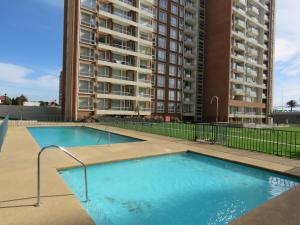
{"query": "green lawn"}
[(294, 128), (280, 142)]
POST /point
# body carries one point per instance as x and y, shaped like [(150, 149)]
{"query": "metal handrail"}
[(38, 171)]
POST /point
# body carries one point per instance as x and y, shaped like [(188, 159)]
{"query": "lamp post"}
[(217, 106)]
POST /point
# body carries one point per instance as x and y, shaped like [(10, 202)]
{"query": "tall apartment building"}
[(179, 58), (168, 58), (239, 60), (107, 58), (197, 48)]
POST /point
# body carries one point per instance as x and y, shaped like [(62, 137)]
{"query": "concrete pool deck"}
[(61, 207)]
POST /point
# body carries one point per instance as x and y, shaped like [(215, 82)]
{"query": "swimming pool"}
[(181, 189), (75, 136)]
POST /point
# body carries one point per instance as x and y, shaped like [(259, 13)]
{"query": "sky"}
[(31, 49)]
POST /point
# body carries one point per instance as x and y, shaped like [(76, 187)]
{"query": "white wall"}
[(31, 112)]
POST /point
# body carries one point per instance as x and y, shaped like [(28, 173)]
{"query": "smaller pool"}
[(181, 189), (76, 136)]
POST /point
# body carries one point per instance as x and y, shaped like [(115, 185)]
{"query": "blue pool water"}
[(75, 136), (181, 189)]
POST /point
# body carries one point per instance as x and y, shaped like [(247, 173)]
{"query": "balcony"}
[(104, 10), (118, 29), (238, 91), (88, 22), (129, 2), (238, 56), (189, 19), (239, 46), (251, 72), (187, 89), (251, 94), (190, 6), (90, 57), (122, 93), (117, 63), (238, 69), (252, 32), (189, 42), (252, 52), (240, 24), (146, 9), (238, 79), (188, 77), (253, 11), (241, 3), (89, 5), (146, 37)]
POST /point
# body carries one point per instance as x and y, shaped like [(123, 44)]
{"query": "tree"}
[(42, 103), (292, 104), (21, 99), (137, 109), (7, 101)]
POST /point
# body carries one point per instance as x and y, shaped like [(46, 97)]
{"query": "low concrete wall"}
[(286, 117), (38, 113)]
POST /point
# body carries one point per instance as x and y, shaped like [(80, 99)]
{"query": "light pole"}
[(217, 107)]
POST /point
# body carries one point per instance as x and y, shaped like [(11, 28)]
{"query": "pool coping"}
[(18, 160)]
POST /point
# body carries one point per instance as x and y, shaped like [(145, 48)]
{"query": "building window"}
[(171, 95), (162, 16), (174, 21), (162, 29), (91, 4), (172, 82), (160, 81), (173, 45), (172, 70), (161, 68), (173, 33), (161, 42), (85, 86), (160, 94), (161, 55), (102, 104), (173, 58), (174, 9), (178, 96), (160, 107), (85, 103), (163, 4), (86, 70), (171, 107)]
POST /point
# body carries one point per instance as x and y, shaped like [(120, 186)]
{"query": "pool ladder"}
[(108, 135), (39, 172)]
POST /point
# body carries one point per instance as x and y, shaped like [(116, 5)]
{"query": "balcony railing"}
[(144, 80), (90, 5), (86, 73), (123, 93), (87, 57), (127, 2), (145, 95), (146, 37)]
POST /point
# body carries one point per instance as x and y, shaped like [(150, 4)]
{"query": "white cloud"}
[(16, 79), (287, 51)]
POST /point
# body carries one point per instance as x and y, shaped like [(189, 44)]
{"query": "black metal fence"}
[(271, 141), (3, 130)]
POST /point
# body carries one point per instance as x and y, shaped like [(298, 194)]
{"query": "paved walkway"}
[(61, 207)]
